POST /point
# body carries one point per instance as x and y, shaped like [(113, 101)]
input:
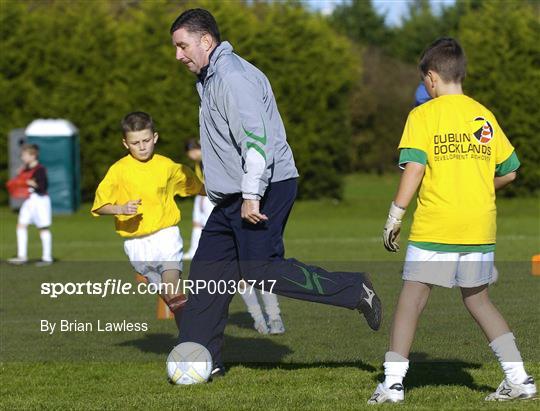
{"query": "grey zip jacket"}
[(243, 140)]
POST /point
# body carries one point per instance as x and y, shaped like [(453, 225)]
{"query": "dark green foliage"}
[(92, 62), (344, 102), (380, 103), (360, 22), (383, 92), (501, 40), (419, 29), (423, 24), (298, 53)]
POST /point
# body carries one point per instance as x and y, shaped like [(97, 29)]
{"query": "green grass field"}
[(328, 359)]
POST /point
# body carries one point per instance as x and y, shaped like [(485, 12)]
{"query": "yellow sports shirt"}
[(199, 171), (463, 144), (155, 182)]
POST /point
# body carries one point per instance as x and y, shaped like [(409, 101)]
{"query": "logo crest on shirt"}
[(484, 133)]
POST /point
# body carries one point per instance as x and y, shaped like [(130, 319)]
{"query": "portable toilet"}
[(59, 152)]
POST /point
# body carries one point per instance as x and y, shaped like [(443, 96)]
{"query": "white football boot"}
[(17, 260), (396, 393), (261, 326), (276, 326), (509, 391)]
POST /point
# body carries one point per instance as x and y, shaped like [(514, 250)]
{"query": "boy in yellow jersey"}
[(139, 191), (454, 150)]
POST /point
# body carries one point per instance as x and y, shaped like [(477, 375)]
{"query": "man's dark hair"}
[(445, 57), (137, 121), (197, 21)]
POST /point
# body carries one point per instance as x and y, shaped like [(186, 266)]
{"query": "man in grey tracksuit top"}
[(250, 176), (243, 140)]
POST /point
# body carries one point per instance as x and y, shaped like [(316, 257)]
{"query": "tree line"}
[(344, 83)]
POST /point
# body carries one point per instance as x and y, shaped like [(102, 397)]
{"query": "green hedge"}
[(92, 62)]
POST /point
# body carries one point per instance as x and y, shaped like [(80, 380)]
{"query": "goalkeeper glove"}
[(393, 227)]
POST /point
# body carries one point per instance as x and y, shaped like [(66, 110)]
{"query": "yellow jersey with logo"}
[(463, 144), (155, 182)]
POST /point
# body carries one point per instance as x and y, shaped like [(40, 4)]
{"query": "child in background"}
[(139, 191), (202, 208), (36, 209)]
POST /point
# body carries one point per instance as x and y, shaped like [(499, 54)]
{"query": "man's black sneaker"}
[(217, 371), (370, 304)]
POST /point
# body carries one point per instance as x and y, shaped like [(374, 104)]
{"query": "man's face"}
[(192, 49), (140, 143)]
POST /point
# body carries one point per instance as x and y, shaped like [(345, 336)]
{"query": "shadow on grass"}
[(425, 371), (241, 320), (262, 352), (235, 349), (302, 365), (159, 343)]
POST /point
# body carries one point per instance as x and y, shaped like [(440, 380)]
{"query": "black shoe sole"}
[(373, 314)]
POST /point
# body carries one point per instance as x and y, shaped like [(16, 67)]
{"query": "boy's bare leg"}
[(412, 300), (501, 340), (484, 312), (172, 293), (171, 284)]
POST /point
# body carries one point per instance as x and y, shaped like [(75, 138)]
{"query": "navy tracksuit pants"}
[(231, 248)]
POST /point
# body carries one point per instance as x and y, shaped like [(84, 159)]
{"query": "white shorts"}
[(36, 210), (465, 270), (152, 254), (202, 208)]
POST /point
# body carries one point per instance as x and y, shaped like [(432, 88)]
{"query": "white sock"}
[(507, 353), (195, 237), (395, 368), (22, 242), (271, 305), (46, 244), (252, 303)]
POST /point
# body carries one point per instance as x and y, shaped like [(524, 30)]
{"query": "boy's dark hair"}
[(192, 144), (197, 21), (445, 57), (30, 148), (137, 121)]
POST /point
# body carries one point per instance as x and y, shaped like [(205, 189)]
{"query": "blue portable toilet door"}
[(58, 153)]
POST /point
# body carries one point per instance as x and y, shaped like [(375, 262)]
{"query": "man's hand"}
[(393, 227), (130, 208), (250, 212)]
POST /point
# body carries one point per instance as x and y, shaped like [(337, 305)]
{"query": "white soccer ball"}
[(189, 363)]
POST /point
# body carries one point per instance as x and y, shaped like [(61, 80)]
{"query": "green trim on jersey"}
[(507, 166), (256, 147), (454, 248), (412, 155)]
